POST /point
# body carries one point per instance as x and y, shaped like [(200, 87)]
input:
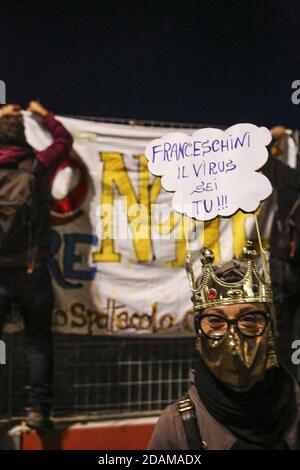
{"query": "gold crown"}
[(213, 291)]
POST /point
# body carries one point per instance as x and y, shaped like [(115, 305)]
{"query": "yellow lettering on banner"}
[(211, 237), (174, 224), (182, 225), (115, 174), (239, 231), (168, 225)]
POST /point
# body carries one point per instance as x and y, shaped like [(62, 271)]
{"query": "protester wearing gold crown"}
[(240, 397)]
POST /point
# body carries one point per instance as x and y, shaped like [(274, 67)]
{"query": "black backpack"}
[(288, 248), (19, 212)]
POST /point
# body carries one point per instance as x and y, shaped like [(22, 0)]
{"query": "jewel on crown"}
[(211, 290)]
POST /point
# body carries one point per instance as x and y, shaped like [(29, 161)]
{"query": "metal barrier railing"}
[(102, 376)]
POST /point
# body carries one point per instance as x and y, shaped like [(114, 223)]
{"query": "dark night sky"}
[(216, 62)]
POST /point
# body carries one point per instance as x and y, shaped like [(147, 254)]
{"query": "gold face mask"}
[(237, 360)]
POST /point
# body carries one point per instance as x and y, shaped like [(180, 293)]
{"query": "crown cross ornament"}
[(213, 291)]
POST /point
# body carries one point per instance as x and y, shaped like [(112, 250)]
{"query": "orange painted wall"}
[(101, 437)]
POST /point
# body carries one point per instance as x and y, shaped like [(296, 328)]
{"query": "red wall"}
[(118, 435)]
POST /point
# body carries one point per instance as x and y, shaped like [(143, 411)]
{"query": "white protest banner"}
[(116, 271), (213, 172)]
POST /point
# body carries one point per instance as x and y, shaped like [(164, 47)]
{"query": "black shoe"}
[(39, 421)]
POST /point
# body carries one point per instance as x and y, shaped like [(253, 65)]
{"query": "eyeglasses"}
[(250, 324)]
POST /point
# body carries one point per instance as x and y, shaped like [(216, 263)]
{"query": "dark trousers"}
[(34, 295), (286, 290)]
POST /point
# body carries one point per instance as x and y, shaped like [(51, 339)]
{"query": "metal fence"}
[(104, 376), (98, 376)]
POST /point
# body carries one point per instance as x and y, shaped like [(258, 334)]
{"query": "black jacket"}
[(286, 184)]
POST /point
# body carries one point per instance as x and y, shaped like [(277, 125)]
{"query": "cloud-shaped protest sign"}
[(213, 172)]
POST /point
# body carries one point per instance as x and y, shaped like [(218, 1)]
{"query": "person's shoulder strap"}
[(186, 410)]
